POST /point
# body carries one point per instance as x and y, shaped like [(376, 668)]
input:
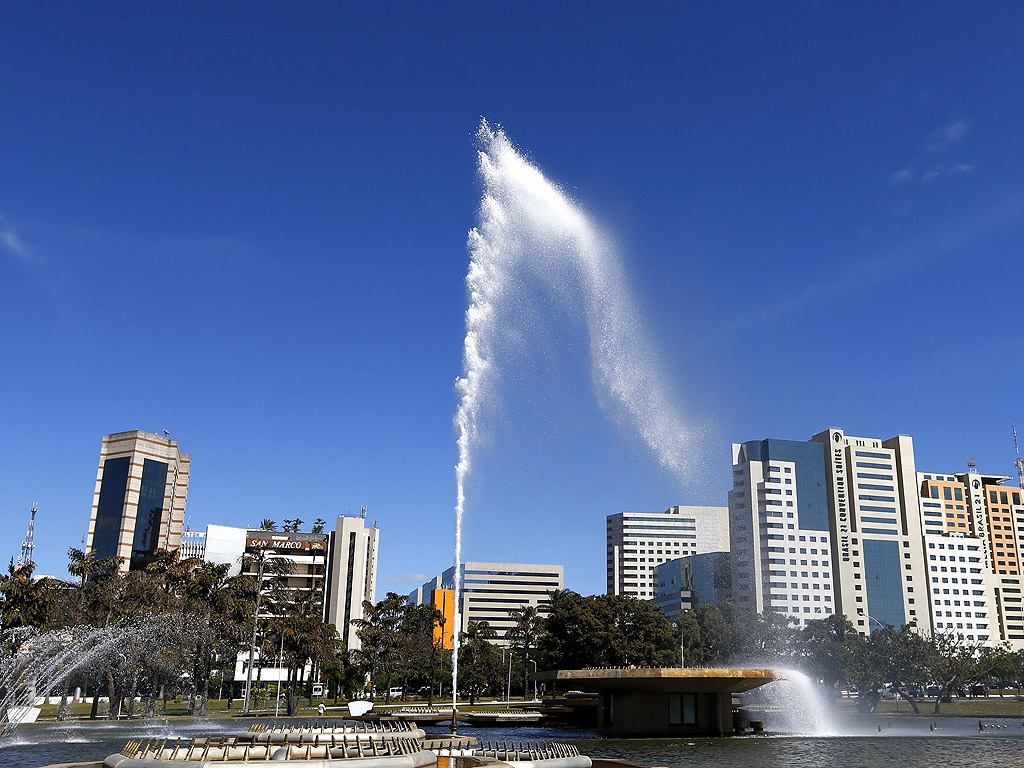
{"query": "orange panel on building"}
[(444, 601), (999, 502), (953, 496)]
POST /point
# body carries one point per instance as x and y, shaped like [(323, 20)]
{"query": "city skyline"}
[(262, 250)]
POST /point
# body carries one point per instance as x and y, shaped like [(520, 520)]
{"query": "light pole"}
[(682, 640), (534, 678), (252, 644), (862, 612), (508, 689), (280, 661)]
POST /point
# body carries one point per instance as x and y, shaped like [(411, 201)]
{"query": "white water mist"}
[(526, 224), (799, 705)]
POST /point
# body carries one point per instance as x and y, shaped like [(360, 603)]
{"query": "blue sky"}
[(246, 224)]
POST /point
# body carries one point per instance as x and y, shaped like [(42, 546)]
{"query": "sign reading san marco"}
[(271, 543)]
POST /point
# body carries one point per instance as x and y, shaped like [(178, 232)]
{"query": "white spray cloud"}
[(528, 225)]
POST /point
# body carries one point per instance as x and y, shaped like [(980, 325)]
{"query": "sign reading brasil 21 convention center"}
[(317, 544)]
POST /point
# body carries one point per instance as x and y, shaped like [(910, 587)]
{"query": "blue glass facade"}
[(150, 512), (809, 461), (708, 577), (110, 507), (883, 574)]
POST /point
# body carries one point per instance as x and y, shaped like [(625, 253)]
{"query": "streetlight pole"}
[(280, 661), (682, 642), (508, 690), (862, 612), (252, 643)]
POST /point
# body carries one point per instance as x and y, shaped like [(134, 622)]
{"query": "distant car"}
[(932, 690), (979, 690)]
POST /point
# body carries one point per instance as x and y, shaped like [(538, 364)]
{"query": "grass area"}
[(993, 706)]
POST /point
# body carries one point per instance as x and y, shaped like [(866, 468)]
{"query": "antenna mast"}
[(1020, 464), (25, 558)]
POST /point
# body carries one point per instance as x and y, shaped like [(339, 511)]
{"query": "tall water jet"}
[(527, 225)]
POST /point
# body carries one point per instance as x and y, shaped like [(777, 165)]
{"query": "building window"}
[(682, 709)]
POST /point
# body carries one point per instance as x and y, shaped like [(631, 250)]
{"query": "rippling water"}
[(903, 742)]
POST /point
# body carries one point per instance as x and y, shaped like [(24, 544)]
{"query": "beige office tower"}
[(877, 538), (352, 577), (139, 503)]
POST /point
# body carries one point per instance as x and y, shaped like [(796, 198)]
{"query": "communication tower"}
[(25, 558), (1020, 464)]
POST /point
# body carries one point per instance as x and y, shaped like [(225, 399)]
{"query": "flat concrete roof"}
[(668, 679)]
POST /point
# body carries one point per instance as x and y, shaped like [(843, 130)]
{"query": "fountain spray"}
[(527, 225)]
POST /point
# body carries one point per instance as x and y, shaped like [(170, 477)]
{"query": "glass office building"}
[(139, 501)]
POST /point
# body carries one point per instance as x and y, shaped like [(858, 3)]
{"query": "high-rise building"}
[(139, 502), (638, 542), (491, 591), (877, 538), (974, 530), (353, 574), (831, 525), (779, 529)]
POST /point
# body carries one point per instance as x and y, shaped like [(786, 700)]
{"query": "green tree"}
[(606, 630), (827, 649), (479, 660), (378, 632), (525, 634), (951, 661), (890, 655), (24, 602)]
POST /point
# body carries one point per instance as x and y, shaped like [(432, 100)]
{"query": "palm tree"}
[(529, 626), (478, 657), (262, 560), (378, 636)]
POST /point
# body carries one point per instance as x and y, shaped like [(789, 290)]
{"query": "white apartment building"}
[(779, 530), (491, 591), (638, 542), (962, 596), (832, 525), (193, 545), (983, 510), (339, 567)]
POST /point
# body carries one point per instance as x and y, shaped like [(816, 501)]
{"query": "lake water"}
[(904, 742)]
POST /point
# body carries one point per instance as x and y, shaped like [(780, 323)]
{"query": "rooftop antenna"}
[(362, 512), (972, 465), (25, 558), (167, 433), (1020, 464)]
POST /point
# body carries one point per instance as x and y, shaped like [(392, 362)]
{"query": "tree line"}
[(206, 618)]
